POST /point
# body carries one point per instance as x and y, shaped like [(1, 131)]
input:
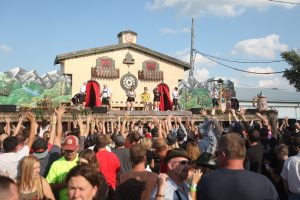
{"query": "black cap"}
[(180, 134), (40, 148), (204, 161), (171, 138)]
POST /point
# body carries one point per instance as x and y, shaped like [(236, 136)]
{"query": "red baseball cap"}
[(71, 142)]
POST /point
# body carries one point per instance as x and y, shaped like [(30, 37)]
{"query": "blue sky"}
[(33, 32)]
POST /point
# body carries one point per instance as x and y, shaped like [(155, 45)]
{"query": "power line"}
[(237, 69), (237, 60), (286, 2)]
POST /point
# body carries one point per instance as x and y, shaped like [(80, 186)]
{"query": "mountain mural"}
[(27, 88)]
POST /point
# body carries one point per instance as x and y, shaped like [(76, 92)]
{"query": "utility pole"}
[(191, 72)]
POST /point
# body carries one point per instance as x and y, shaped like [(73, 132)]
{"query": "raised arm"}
[(59, 113), (53, 120), (31, 120), (19, 125), (7, 127)]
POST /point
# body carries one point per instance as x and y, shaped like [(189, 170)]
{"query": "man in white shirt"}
[(106, 95), (83, 88), (10, 159), (291, 174), (175, 96)]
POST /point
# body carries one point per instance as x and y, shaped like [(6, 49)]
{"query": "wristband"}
[(159, 195), (193, 187)]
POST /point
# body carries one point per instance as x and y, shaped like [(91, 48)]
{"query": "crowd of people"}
[(171, 158)]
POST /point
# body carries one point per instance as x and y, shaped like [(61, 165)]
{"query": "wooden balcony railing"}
[(150, 75), (107, 73)]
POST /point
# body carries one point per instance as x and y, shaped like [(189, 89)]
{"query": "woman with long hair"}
[(88, 157), (31, 185)]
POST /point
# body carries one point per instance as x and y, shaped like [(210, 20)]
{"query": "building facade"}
[(122, 66)]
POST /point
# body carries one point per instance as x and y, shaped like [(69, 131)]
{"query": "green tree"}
[(292, 74)]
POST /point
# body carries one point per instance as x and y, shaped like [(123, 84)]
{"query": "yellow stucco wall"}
[(80, 68)]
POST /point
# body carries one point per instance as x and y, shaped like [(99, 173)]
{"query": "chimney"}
[(127, 37)]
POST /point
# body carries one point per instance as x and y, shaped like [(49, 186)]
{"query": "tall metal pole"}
[(192, 50)]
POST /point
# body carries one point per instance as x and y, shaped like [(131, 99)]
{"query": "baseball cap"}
[(119, 140), (40, 148), (70, 143)]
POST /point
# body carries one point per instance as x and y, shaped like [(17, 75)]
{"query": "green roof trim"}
[(61, 57)]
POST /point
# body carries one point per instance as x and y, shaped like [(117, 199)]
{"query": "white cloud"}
[(214, 7), (276, 82), (5, 49), (263, 47), (174, 31), (269, 83), (201, 74), (258, 69)]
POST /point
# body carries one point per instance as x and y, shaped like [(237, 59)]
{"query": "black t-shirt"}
[(149, 156), (254, 157), (227, 184)]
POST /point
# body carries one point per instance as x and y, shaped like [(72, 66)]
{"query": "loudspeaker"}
[(8, 108), (102, 109), (196, 110)]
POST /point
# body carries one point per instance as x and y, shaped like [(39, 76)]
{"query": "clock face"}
[(128, 81), (128, 37)]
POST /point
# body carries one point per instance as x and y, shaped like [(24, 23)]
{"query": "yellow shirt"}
[(57, 173)]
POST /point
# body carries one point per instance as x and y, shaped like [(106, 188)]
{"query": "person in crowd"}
[(59, 169), (10, 159), (254, 154), (138, 182), (83, 183), (275, 168), (123, 154), (175, 96), (230, 180), (130, 98), (156, 99), (88, 157), (8, 189), (109, 164), (106, 95), (45, 126), (172, 185), (147, 143), (193, 150), (291, 174), (48, 152), (31, 184), (160, 149)]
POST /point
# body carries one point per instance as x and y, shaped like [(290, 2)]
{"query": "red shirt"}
[(109, 165)]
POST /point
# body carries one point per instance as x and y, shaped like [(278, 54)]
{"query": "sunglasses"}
[(184, 162)]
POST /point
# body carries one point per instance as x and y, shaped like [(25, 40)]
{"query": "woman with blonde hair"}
[(31, 185)]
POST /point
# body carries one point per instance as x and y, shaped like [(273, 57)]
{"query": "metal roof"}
[(61, 57), (273, 94)]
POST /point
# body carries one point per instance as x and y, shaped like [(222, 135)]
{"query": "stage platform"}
[(113, 115)]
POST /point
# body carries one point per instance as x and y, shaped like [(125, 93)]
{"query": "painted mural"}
[(28, 89)]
